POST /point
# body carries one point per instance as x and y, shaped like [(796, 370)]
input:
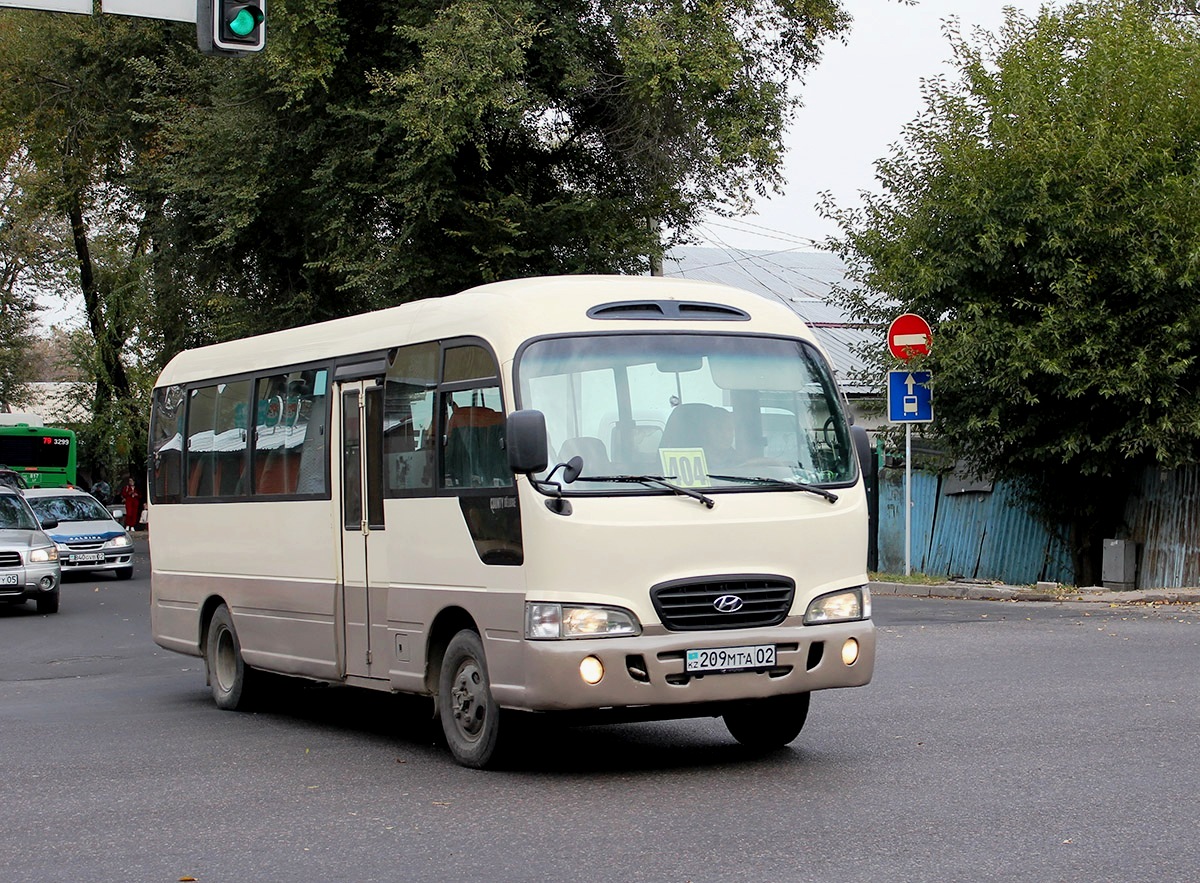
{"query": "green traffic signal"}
[(230, 27), (245, 22), (247, 19)]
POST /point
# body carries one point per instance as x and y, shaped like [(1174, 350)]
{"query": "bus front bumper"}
[(650, 670)]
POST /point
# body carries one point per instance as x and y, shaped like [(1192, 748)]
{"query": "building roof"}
[(802, 280)]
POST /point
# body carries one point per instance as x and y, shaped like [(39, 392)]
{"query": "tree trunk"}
[(112, 383)]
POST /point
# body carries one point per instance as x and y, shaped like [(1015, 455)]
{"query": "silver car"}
[(87, 537), (29, 568)]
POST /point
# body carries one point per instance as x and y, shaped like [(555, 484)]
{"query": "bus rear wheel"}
[(764, 724), (231, 680), (470, 716)]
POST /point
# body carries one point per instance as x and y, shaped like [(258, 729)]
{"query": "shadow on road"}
[(537, 743)]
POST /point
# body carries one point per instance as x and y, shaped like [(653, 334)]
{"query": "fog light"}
[(46, 583), (850, 651), (591, 670)]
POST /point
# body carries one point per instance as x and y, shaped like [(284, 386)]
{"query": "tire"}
[(232, 681), (124, 572), (470, 716), (765, 724), (47, 603)]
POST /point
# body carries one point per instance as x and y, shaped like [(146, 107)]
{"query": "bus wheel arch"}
[(446, 625), (207, 609)]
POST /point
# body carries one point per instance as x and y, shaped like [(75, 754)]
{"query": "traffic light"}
[(231, 27)]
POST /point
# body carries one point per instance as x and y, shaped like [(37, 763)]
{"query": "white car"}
[(87, 537), (28, 558)]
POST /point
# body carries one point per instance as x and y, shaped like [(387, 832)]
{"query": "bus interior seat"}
[(475, 455), (690, 425), (591, 449)]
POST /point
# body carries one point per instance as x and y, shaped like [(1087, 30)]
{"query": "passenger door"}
[(364, 549)]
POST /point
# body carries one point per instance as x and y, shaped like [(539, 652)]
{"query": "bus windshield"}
[(718, 411)]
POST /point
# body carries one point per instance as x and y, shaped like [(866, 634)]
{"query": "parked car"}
[(29, 568), (87, 537), (12, 479)]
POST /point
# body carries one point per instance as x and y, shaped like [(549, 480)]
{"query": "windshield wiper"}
[(779, 484), (653, 480)]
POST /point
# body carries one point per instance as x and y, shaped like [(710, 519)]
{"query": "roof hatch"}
[(667, 309)]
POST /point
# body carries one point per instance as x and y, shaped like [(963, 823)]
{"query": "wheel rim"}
[(468, 700), (225, 660)]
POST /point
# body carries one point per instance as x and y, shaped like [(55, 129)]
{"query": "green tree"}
[(30, 261), (69, 102), (1044, 214), (387, 151)]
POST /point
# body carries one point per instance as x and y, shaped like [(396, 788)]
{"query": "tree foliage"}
[(1044, 214), (411, 149)]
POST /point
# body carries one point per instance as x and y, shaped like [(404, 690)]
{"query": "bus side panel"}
[(283, 595), (433, 566)]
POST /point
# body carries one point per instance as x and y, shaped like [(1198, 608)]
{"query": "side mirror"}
[(527, 442), (48, 523)]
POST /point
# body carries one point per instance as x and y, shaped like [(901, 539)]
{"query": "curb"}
[(1042, 592)]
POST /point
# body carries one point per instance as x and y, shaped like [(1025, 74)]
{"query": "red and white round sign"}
[(908, 336)]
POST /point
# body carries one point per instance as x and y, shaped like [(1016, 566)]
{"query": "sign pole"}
[(907, 499), (910, 400)]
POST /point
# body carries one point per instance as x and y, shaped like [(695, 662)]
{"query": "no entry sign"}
[(909, 336)]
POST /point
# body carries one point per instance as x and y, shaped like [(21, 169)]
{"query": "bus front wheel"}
[(232, 681), (764, 724), (470, 716)]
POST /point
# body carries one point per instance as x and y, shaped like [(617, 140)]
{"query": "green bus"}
[(43, 455)]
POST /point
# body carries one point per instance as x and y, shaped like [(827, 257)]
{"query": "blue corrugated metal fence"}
[(976, 535)]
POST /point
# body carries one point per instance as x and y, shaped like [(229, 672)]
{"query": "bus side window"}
[(289, 437), (472, 421), (474, 455), (166, 441), (408, 409), (216, 426)]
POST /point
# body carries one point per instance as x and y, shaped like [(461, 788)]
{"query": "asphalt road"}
[(999, 741)]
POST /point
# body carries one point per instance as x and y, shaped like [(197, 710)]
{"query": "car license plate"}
[(720, 659), (9, 579), (85, 558)]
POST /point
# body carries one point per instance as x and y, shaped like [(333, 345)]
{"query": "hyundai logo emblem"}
[(728, 604)]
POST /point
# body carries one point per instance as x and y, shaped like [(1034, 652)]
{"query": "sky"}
[(856, 101)]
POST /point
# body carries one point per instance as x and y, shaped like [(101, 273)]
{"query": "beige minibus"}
[(601, 498)]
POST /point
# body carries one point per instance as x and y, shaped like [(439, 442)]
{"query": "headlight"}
[(118, 542), (42, 555), (551, 621), (845, 606)]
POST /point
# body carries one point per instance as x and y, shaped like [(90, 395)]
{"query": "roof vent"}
[(667, 309)]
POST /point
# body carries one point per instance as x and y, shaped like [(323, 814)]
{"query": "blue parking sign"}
[(910, 400)]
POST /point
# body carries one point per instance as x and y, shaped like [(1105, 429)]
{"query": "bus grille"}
[(723, 602), (10, 559)]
